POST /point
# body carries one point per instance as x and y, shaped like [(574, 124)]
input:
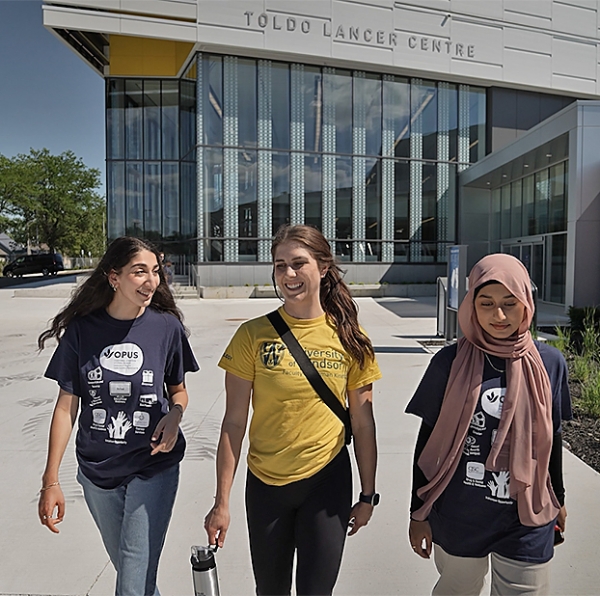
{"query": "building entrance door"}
[(531, 254)]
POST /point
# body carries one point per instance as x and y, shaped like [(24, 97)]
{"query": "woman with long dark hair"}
[(487, 476), (120, 363), (299, 482)]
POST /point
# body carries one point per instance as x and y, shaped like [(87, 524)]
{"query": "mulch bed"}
[(583, 437)]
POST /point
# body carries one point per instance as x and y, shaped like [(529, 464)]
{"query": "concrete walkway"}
[(377, 561)]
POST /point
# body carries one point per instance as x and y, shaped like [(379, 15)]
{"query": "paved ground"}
[(377, 561)]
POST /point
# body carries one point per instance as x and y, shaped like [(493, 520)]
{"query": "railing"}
[(193, 277)]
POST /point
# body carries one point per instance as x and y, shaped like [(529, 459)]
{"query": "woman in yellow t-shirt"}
[(299, 480)]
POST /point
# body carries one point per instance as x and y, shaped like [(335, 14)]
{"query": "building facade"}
[(367, 119)]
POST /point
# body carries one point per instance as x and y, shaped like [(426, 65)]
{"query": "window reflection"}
[(247, 205), (170, 188), (152, 200), (152, 130), (170, 119), (281, 190), (133, 118), (135, 214), (343, 207), (116, 204)]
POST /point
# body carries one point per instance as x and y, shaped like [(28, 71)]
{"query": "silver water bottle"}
[(204, 571)]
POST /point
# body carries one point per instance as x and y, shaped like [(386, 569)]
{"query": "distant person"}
[(121, 342), (299, 479), (169, 273), (487, 475)]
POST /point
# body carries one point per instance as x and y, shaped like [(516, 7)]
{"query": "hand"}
[(359, 516), (168, 427), (216, 524), (50, 500), (419, 532), (561, 520)]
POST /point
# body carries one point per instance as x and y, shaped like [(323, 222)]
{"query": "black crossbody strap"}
[(311, 373)]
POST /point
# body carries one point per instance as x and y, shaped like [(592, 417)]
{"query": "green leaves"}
[(53, 200)]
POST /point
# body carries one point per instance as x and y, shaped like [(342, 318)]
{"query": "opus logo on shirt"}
[(125, 359)]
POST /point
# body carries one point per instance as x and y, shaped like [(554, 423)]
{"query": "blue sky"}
[(48, 96)]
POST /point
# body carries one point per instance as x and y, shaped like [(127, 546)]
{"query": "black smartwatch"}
[(369, 499)]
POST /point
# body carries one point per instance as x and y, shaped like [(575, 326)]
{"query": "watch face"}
[(375, 499)]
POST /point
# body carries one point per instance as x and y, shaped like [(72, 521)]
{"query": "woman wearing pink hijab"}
[(487, 474)]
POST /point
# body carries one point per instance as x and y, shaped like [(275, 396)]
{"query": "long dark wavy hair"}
[(335, 296), (95, 293)]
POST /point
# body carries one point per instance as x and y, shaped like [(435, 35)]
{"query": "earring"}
[(114, 289)]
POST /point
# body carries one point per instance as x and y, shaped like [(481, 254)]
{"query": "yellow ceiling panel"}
[(142, 56)]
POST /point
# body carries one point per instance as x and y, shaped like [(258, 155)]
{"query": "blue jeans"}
[(133, 521)]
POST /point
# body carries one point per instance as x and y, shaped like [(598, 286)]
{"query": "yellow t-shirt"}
[(293, 433)]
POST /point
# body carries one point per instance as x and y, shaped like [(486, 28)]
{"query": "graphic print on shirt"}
[(124, 359), (118, 427), (141, 421), (499, 484), (99, 419), (492, 401), (147, 400), (271, 353), (120, 391), (147, 377), (95, 377)]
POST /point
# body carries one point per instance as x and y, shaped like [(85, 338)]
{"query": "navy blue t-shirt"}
[(475, 514), (119, 370)]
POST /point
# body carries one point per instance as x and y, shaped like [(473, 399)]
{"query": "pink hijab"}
[(524, 438)]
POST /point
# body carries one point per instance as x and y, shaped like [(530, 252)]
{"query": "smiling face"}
[(498, 311), (134, 286), (298, 276)]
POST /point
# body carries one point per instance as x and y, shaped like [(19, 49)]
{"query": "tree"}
[(52, 200)]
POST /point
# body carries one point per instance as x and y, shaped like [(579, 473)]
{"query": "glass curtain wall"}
[(370, 160), (151, 163), (212, 164), (529, 220)]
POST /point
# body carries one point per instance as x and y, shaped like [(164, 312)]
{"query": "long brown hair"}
[(335, 296), (95, 293)]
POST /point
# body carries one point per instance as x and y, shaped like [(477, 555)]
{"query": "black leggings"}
[(310, 516)]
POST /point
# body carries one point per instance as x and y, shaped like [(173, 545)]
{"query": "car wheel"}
[(45, 272)]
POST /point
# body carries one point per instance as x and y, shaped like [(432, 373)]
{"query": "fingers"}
[(216, 524), (50, 521), (360, 515), (420, 538)]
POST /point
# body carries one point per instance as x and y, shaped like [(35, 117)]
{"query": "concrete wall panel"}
[(530, 41), (183, 9), (307, 8), (527, 68), (487, 41), (574, 59), (536, 8), (489, 10), (577, 20)]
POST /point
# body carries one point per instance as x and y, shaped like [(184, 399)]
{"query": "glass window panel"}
[(423, 107), (372, 89), (373, 210), (187, 115), (170, 193), (313, 108), (133, 118), (343, 207), (429, 216), (152, 200), (116, 199), (247, 110), (495, 214), (341, 89), (397, 99), (453, 124), (170, 119), (280, 105), (558, 211), (213, 202), (281, 190), (247, 205), (537, 269), (152, 130), (505, 217), (135, 212), (476, 123), (188, 199), (542, 199), (516, 208), (528, 206), (313, 205), (213, 100), (558, 273), (401, 201), (115, 119)]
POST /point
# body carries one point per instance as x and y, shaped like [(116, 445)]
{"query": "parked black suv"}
[(45, 263)]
